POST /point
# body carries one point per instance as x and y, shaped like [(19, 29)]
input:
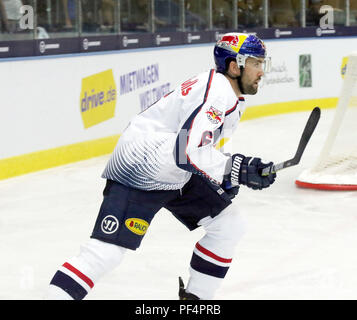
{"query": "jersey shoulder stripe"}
[(232, 109)]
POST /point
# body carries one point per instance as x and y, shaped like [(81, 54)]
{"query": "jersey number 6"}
[(206, 138)]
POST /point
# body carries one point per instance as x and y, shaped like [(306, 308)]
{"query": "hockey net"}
[(336, 166)]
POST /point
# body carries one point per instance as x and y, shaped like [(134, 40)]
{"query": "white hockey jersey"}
[(177, 135)]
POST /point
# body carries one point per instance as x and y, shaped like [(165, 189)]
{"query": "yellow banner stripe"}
[(46, 159), (287, 107), (35, 161), (273, 109)]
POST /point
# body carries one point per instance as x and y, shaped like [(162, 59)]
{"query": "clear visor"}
[(258, 63), (267, 65)]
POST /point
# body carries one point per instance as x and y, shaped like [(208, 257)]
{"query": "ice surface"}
[(300, 244)]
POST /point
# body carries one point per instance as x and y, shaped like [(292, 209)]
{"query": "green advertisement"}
[(305, 74)]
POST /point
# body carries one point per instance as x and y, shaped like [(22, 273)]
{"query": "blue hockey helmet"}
[(239, 46)]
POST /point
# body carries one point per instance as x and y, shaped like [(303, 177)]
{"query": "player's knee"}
[(110, 254), (234, 227), (102, 256), (229, 226)]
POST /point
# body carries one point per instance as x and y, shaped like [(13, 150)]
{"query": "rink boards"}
[(57, 110)]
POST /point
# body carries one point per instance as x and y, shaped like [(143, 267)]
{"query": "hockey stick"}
[(305, 137)]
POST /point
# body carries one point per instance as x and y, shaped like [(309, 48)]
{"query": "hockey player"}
[(166, 158)]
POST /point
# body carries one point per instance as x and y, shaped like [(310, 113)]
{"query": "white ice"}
[(300, 244)]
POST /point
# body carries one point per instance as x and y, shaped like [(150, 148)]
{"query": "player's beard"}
[(250, 87)]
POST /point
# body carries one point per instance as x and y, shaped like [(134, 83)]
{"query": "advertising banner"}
[(51, 103)]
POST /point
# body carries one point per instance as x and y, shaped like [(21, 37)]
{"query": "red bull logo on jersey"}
[(137, 226), (214, 115)]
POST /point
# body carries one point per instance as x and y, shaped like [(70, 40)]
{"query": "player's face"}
[(252, 74)]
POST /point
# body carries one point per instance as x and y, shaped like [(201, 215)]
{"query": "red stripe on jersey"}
[(211, 254), (79, 274), (232, 109)]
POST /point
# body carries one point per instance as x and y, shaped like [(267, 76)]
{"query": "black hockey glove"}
[(229, 189), (248, 170)]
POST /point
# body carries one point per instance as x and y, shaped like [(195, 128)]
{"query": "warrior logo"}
[(110, 224), (214, 115)]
